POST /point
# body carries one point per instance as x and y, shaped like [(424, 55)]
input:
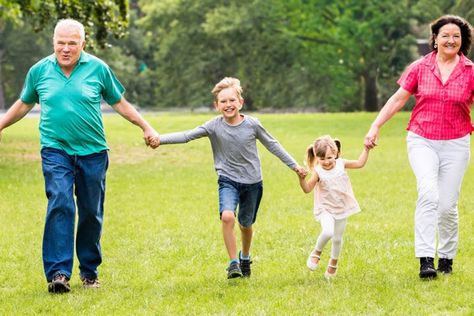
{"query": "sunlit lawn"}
[(162, 244)]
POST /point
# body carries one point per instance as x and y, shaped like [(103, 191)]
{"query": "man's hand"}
[(152, 138)]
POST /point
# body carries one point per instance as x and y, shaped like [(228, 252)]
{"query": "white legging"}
[(331, 228)]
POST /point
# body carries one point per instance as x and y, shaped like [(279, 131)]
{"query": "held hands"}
[(155, 142), (152, 138), (370, 140), (301, 171)]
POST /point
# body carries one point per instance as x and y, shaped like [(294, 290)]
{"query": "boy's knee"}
[(228, 217)]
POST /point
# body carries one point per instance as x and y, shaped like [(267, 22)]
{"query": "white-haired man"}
[(69, 85)]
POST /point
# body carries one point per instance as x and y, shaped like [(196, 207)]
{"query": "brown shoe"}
[(90, 283), (59, 284)]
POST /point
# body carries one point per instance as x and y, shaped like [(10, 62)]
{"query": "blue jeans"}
[(66, 175), (246, 196)]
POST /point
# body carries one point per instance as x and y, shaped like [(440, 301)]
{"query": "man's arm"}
[(16, 112), (126, 110)]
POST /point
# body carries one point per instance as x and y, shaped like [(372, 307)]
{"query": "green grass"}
[(162, 245)]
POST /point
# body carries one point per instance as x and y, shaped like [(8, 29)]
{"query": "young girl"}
[(233, 139), (334, 200)]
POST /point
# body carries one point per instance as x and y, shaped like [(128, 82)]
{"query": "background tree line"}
[(329, 55)]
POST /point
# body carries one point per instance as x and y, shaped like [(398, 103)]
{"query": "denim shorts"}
[(246, 196)]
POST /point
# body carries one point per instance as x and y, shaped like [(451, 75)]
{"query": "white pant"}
[(439, 167), (331, 229)]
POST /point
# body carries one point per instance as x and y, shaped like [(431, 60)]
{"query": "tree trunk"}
[(371, 99), (2, 94)]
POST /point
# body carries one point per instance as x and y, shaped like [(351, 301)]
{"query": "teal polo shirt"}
[(71, 119)]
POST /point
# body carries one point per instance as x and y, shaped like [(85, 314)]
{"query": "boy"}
[(233, 140)]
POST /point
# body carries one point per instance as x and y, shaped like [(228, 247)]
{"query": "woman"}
[(438, 139)]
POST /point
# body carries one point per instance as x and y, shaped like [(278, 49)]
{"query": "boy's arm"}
[(308, 186), (359, 163), (183, 137), (276, 148)]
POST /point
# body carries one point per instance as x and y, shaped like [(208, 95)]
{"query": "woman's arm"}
[(393, 105)]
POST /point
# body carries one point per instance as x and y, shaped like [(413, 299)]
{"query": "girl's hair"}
[(319, 148), (464, 26), (227, 82)]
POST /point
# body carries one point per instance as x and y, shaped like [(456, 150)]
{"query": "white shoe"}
[(310, 264), (328, 275)]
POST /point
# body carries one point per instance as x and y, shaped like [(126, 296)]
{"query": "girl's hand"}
[(301, 171), (370, 140)]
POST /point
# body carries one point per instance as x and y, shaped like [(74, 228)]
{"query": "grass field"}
[(162, 245)]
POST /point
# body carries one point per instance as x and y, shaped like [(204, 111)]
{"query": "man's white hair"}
[(70, 23)]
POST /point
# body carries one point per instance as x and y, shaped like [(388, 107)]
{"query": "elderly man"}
[(69, 85)]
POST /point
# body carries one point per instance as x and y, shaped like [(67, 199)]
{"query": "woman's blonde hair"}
[(319, 148), (227, 82)]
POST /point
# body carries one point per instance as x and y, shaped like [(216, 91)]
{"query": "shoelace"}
[(59, 276), (91, 281)]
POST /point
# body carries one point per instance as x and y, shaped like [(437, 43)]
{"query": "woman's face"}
[(449, 39)]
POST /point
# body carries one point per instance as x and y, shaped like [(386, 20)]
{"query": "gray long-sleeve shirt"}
[(234, 147)]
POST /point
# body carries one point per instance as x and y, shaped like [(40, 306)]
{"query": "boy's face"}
[(229, 103)]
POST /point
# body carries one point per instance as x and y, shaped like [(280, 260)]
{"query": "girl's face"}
[(328, 161), (449, 39), (229, 103)]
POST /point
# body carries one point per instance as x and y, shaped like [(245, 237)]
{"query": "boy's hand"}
[(154, 141), (301, 171)]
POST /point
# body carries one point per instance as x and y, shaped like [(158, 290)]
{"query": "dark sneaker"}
[(233, 271), (427, 269), (445, 265), (245, 267), (90, 283), (59, 284)]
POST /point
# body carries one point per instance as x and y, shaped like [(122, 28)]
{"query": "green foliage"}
[(23, 48), (343, 55), (9, 11), (162, 242), (100, 17)]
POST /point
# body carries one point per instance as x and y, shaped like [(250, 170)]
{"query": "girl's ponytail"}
[(310, 157), (338, 145)]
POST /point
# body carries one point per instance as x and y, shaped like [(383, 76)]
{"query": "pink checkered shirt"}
[(442, 111)]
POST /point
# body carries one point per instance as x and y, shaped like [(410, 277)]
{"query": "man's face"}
[(67, 47)]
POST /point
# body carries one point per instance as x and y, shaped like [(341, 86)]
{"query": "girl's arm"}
[(308, 186), (359, 163)]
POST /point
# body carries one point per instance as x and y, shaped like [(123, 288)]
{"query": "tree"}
[(101, 18), (368, 39)]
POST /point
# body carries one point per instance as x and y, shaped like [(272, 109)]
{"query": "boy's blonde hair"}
[(319, 148), (227, 82)]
